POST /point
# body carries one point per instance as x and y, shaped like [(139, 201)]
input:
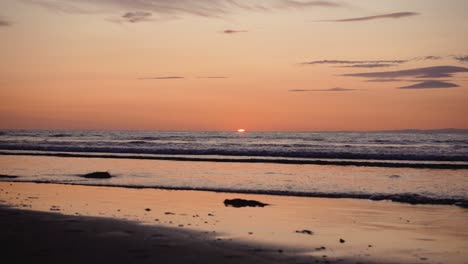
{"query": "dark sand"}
[(40, 237), (49, 223)]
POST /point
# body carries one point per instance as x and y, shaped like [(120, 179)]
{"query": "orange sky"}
[(82, 64)]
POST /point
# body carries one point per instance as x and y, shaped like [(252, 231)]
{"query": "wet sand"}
[(40, 237), (76, 224)]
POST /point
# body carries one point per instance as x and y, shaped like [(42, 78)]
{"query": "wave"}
[(417, 147), (279, 151), (138, 142), (363, 163), (60, 135), (147, 138), (408, 198)]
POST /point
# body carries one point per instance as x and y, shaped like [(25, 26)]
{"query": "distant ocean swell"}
[(445, 149), (236, 149), (373, 147), (284, 160)]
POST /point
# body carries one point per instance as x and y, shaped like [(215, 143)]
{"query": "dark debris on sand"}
[(462, 204), (305, 232), (97, 175), (54, 208), (243, 203), (2, 176)]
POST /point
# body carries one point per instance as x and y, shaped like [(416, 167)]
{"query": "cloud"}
[(4, 22), (430, 84), (385, 80), (353, 62), (180, 77), (384, 16), (171, 8), (232, 31), (410, 75), (162, 78), (299, 4), (428, 72), (422, 58), (461, 58), (137, 16), (370, 65), (337, 89), (212, 77)]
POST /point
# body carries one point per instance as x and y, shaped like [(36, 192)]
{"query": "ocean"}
[(412, 166)]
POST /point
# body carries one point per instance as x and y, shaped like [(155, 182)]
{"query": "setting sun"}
[(241, 130)]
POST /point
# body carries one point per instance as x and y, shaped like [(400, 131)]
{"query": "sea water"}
[(406, 166)]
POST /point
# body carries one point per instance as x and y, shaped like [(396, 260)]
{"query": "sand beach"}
[(54, 223)]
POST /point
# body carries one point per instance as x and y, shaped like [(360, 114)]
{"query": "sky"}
[(262, 65)]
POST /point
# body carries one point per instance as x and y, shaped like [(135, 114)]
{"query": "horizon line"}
[(253, 131)]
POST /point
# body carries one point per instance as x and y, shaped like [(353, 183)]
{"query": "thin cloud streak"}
[(385, 80), (366, 18), (423, 58), (357, 63), (233, 31), (431, 84), (174, 8), (428, 72), (370, 65), (461, 58), (137, 16), (180, 77), (162, 78), (353, 62), (337, 89), (4, 22), (299, 4), (212, 77)]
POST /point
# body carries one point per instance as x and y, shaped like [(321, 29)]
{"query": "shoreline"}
[(409, 186), (406, 198), (373, 232)]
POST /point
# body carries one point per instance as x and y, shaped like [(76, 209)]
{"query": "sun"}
[(241, 130)]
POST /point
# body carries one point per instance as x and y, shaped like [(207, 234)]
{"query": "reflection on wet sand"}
[(339, 228)]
